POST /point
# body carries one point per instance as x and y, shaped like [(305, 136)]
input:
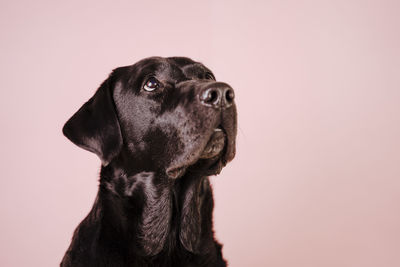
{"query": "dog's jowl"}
[(160, 128)]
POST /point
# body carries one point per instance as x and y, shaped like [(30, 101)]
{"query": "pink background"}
[(316, 180)]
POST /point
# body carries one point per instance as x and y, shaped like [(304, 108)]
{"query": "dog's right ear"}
[(95, 126)]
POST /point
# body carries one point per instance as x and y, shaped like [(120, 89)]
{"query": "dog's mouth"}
[(215, 145), (211, 158), (209, 155)]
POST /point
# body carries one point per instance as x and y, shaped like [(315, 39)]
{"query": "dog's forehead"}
[(172, 67), (189, 66)]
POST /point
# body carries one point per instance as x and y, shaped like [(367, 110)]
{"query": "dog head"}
[(166, 115)]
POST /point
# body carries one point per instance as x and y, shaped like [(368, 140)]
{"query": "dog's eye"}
[(151, 84), (209, 76)]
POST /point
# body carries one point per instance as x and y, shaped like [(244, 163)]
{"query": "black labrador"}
[(160, 128)]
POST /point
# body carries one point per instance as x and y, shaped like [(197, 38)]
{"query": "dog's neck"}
[(152, 213)]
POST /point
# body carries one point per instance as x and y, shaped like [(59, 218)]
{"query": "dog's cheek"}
[(178, 137), (165, 145), (137, 115)]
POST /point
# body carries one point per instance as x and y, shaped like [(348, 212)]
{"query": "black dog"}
[(160, 127)]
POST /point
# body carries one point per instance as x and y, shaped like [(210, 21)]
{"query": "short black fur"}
[(154, 204)]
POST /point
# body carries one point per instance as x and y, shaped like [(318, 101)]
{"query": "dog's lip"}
[(215, 145), (219, 159)]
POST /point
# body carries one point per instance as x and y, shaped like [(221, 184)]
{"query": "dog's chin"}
[(211, 160), (215, 146)]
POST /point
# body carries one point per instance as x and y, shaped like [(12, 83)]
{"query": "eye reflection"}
[(151, 84)]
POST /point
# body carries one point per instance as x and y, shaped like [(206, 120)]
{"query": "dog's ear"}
[(95, 125), (155, 223), (196, 218)]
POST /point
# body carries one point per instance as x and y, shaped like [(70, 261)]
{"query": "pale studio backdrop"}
[(316, 180)]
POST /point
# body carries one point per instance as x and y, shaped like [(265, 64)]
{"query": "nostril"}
[(210, 96), (213, 96), (229, 95)]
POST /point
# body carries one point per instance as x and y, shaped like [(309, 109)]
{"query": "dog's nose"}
[(217, 95)]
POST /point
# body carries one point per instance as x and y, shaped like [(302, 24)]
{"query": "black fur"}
[(154, 204)]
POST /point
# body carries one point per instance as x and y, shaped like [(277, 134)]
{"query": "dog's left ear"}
[(95, 125), (196, 217)]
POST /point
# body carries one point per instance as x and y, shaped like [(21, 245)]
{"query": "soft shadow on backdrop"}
[(316, 180)]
